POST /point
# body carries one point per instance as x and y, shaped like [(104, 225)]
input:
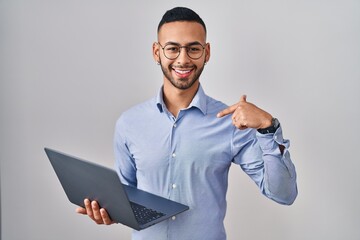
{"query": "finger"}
[(240, 125), (227, 111), (240, 121), (96, 212), (105, 217), (81, 210), (243, 127), (88, 208), (243, 98)]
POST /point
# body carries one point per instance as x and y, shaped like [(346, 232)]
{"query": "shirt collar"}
[(199, 100)]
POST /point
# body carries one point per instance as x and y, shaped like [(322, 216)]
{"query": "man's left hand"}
[(247, 115)]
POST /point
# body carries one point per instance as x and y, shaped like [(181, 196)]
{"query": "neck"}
[(176, 99)]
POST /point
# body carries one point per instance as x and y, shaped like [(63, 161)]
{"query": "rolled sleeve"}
[(270, 169)]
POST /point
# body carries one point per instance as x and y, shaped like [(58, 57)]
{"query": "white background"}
[(69, 68)]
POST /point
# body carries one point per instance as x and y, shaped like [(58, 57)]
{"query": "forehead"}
[(182, 32)]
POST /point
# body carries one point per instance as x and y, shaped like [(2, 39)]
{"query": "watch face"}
[(276, 123)]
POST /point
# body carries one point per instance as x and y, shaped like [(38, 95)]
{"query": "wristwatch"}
[(272, 129)]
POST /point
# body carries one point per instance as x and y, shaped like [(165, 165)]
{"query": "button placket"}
[(173, 185)]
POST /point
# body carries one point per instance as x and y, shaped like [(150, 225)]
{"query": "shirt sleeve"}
[(124, 162), (260, 158)]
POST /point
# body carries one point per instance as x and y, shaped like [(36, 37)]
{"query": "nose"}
[(183, 56)]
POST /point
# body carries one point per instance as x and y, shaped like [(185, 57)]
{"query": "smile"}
[(183, 73)]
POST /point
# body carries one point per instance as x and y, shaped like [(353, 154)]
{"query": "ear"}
[(207, 52), (156, 51)]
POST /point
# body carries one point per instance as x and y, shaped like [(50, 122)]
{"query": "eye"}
[(195, 49), (172, 48)]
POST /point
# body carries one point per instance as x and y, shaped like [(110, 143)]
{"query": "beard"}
[(182, 83)]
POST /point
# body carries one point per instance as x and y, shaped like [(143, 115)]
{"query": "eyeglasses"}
[(172, 50)]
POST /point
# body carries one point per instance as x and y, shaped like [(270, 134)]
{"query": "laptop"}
[(127, 205)]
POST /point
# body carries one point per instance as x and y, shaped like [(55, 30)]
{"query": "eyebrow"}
[(188, 44)]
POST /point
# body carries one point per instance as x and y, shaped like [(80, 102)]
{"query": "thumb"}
[(81, 210), (243, 98)]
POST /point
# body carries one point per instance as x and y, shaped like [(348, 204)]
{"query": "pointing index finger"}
[(227, 111)]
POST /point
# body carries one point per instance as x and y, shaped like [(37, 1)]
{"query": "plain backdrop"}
[(69, 68)]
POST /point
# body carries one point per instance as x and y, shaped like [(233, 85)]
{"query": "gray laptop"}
[(127, 205)]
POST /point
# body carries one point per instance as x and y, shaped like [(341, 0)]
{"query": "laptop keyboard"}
[(144, 215)]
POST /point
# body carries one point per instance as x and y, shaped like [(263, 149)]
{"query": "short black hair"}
[(181, 14)]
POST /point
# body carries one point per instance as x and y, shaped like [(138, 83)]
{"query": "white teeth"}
[(182, 72)]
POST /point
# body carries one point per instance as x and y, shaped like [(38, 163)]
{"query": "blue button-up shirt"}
[(187, 159)]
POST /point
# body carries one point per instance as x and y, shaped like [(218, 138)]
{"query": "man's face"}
[(183, 71)]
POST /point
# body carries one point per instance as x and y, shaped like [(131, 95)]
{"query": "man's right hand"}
[(97, 214)]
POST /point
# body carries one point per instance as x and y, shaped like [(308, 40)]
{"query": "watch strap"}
[(272, 129)]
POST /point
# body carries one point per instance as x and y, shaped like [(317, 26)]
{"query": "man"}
[(181, 143)]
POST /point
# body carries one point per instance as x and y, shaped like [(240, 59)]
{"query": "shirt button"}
[(175, 125), (173, 155), (173, 218), (174, 185)]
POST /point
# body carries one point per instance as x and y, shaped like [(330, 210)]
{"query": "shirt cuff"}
[(271, 141)]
